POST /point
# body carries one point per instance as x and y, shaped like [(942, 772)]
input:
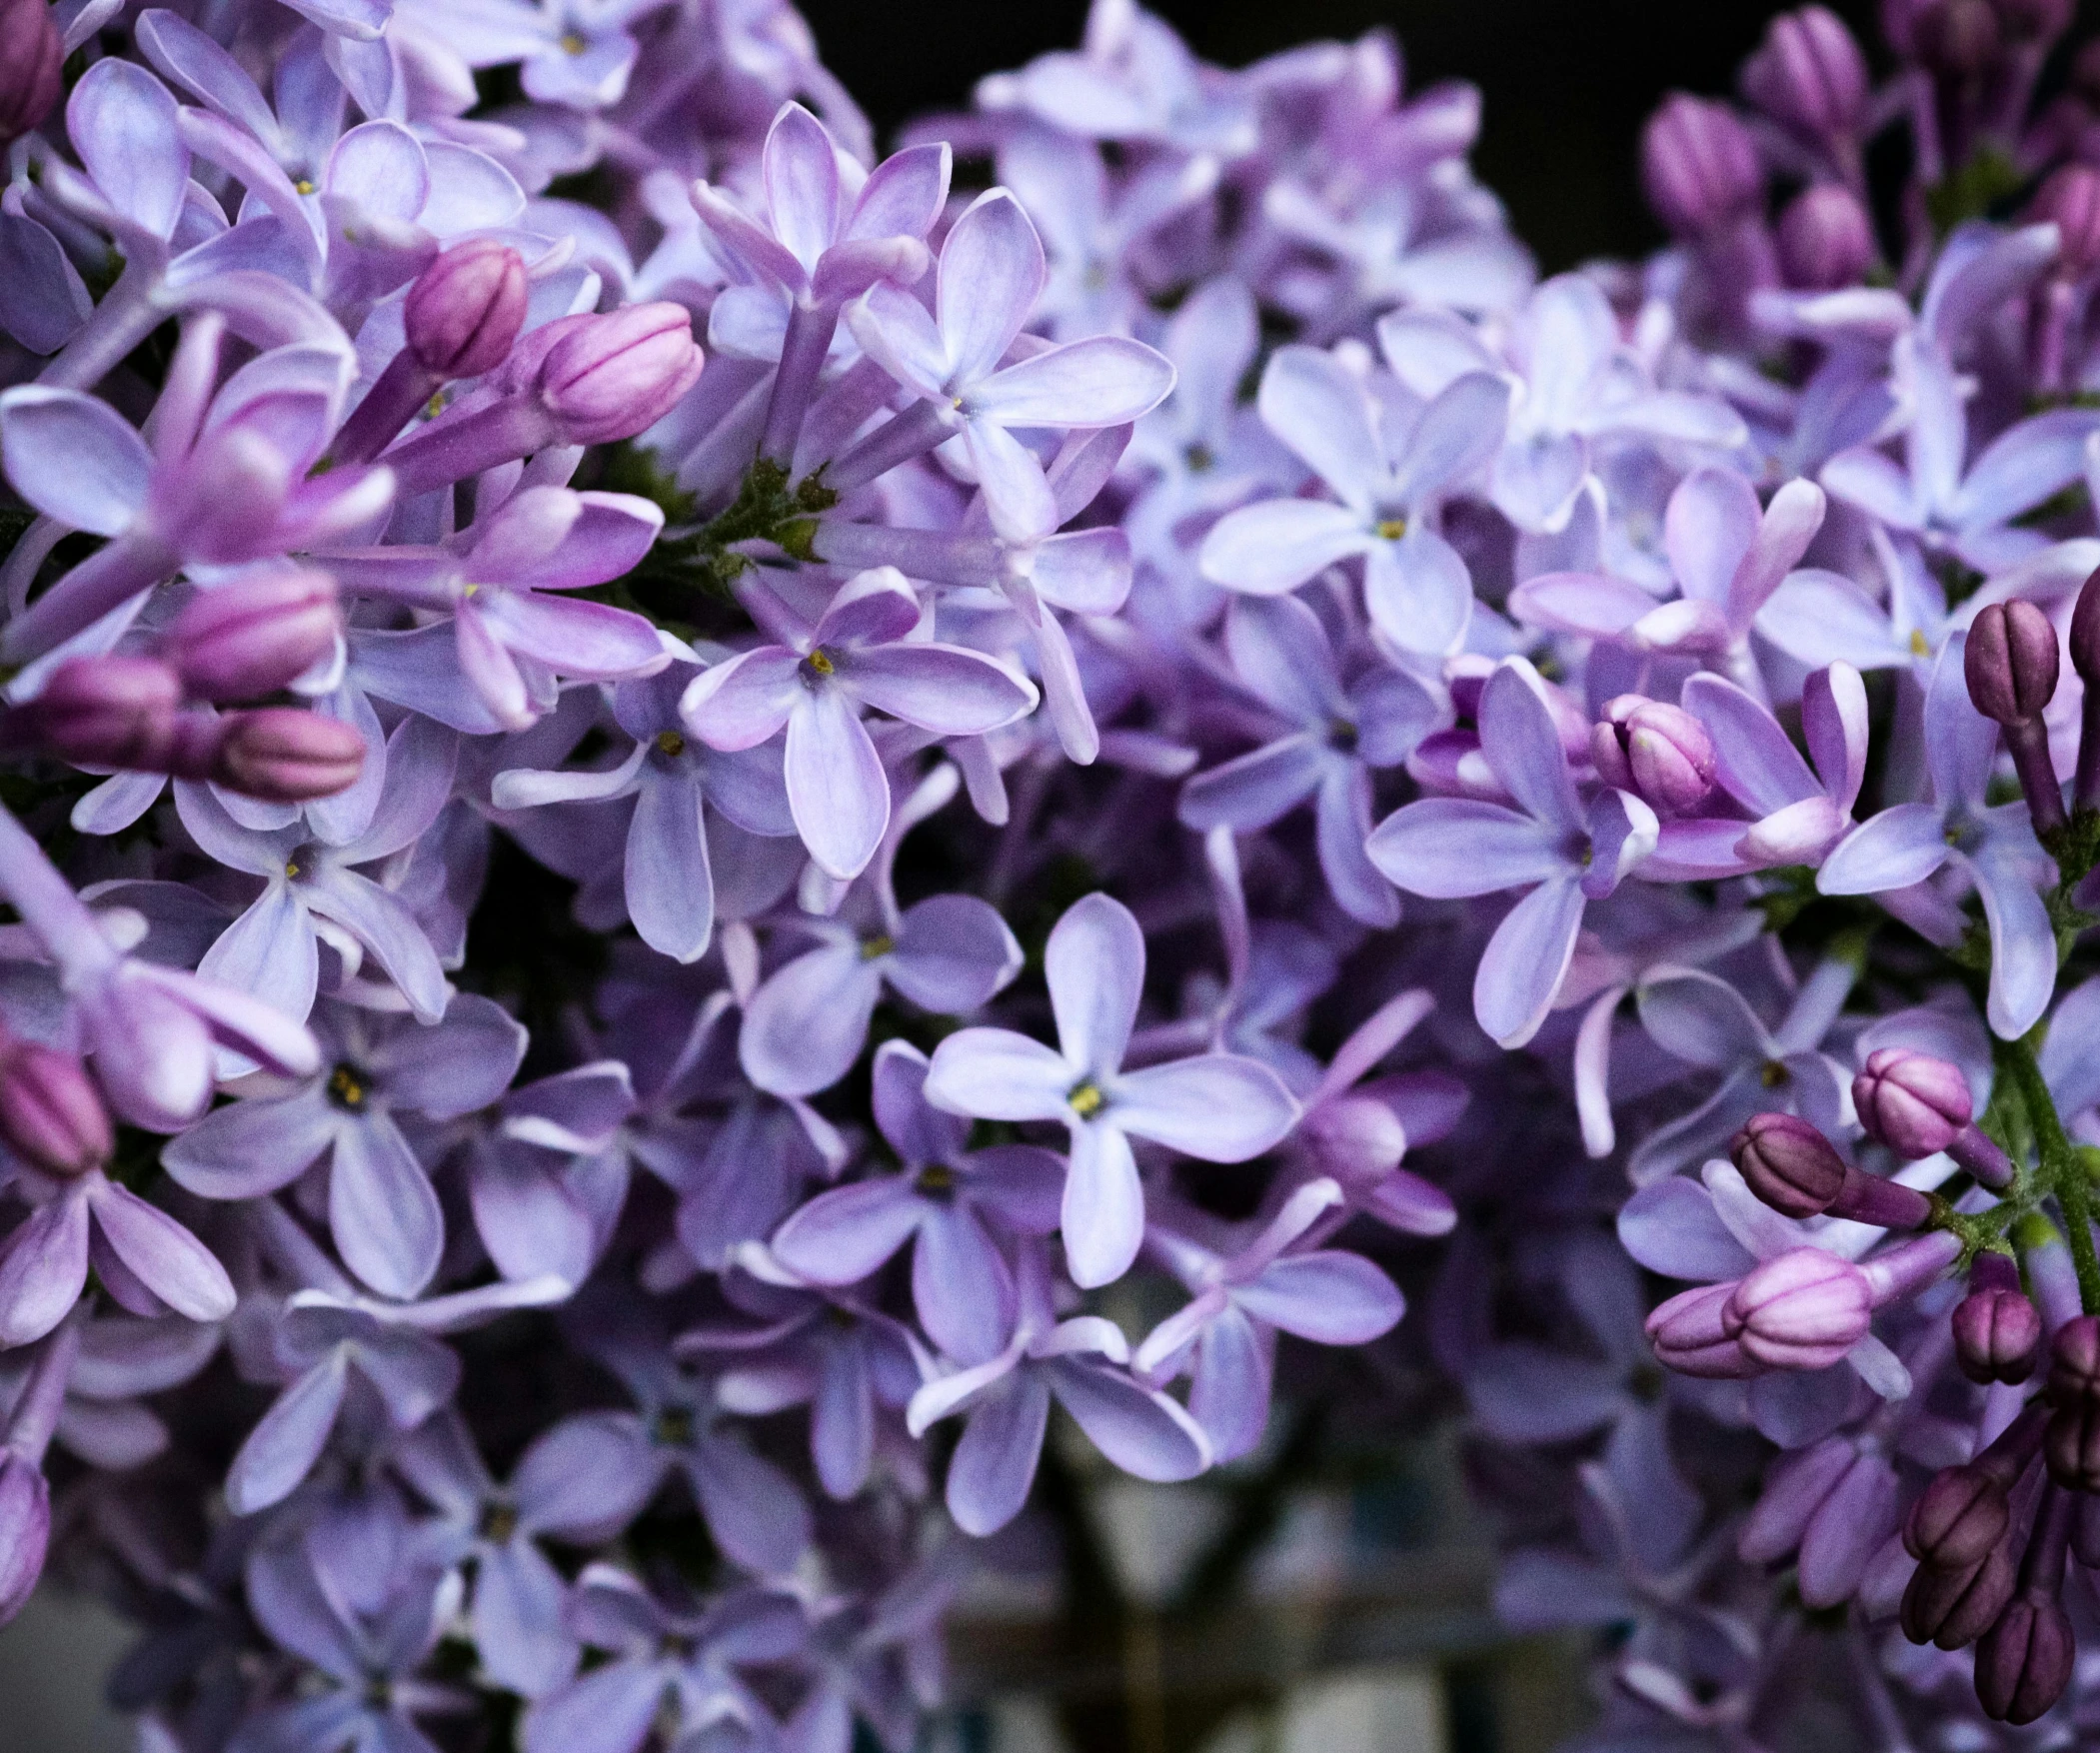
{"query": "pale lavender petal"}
[(1251, 791), (162, 1254), (1452, 848), (1275, 547), (379, 921), (518, 1600), (1332, 1298), (837, 788), (805, 1027), (382, 1210), (2023, 941), (247, 1149), (1095, 965), (74, 458), (1140, 1430), (1418, 592), (757, 1516), (42, 1269), (946, 688), (994, 1461), (1523, 745), (999, 1076), (954, 952), (287, 1440), (1104, 1215), (1311, 400), (1219, 1107), (842, 1236), (1525, 960), (1893, 850), (1105, 380), (670, 882), (740, 704), (991, 273)]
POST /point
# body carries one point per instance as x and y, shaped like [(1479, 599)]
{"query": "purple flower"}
[(1449, 847), (1416, 586), (992, 272), (859, 653), (949, 1202), (1218, 1107), (1008, 1402), (382, 1210), (1283, 654)]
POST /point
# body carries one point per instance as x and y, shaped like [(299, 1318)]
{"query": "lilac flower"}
[(1225, 1336), (1907, 843), (1284, 655), (580, 55), (1218, 1107), (1416, 585), (522, 1171), (1566, 855), (1007, 1405), (519, 1596), (992, 272), (682, 1655), (859, 651), (383, 1211), (949, 1202), (540, 539), (675, 779)]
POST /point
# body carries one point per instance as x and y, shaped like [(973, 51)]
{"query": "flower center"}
[(498, 1521), (1341, 735), (817, 665), (1200, 459), (937, 1181), (1087, 1098), (670, 742), (304, 186), (572, 44), (1392, 529), (673, 1427), (349, 1087), (1775, 1076), (876, 947), (1919, 647)]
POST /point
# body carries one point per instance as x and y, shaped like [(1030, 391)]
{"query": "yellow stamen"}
[(671, 743), (1087, 1100)]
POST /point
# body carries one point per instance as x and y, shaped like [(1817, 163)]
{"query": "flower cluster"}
[(816, 807)]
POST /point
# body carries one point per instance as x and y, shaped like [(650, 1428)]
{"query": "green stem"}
[(2060, 1170)]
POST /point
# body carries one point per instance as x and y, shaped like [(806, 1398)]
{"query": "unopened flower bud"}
[(2026, 21), (2023, 1662), (2070, 200), (1660, 753), (1957, 1518), (617, 374), (2010, 662), (254, 634), (1912, 1102), (1809, 74), (51, 1115), (1997, 1331), (1958, 38), (1951, 1609), (25, 1525), (1788, 1164), (284, 755), (1826, 240), (1804, 1309), (465, 311), (2072, 1445), (31, 59), (1698, 166), (1689, 1336), (107, 712)]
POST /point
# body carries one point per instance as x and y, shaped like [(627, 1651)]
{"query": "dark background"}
[(1567, 83)]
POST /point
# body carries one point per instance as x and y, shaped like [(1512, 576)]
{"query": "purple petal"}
[(1456, 434), (162, 1254), (386, 927), (670, 882), (1018, 496), (2023, 942), (608, 1710), (1142, 1431), (740, 704), (844, 1235), (1708, 528), (1523, 745), (287, 1440), (997, 1074), (918, 1132), (757, 1516), (961, 1285), (1218, 1107), (1275, 547), (991, 273), (953, 953), (837, 788), (1229, 1393), (1525, 960), (1418, 592), (1103, 1213), (122, 122), (1095, 965), (946, 688), (73, 457), (463, 1065), (249, 1149), (1452, 848), (518, 1631), (382, 1210), (1332, 1298), (1107, 380), (1311, 400), (805, 1027), (994, 1461), (43, 1266), (1893, 850), (1251, 791)]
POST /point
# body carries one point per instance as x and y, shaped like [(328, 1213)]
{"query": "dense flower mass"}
[(823, 801)]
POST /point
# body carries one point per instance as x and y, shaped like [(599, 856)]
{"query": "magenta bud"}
[(1698, 166), (1910, 1101), (31, 61), (284, 755), (466, 310), (1957, 1518), (2070, 200), (1955, 1607), (107, 712), (1788, 1164), (1809, 74), (1660, 753), (50, 1112), (1826, 240), (25, 1529), (614, 375), (2072, 1444), (1958, 38), (1997, 1331), (2085, 630), (2023, 1662), (2010, 662), (254, 634), (1804, 1309)]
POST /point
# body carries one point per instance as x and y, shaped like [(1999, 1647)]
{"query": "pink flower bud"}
[(1804, 1309), (1809, 74), (1825, 238), (2010, 662), (1689, 1336), (50, 1113), (1957, 1518), (1956, 38), (31, 57), (1660, 753), (466, 310), (254, 634), (284, 755), (2035, 20), (1698, 166), (1951, 1609), (613, 376), (2072, 1445), (1788, 1164), (1997, 1331), (107, 712), (2070, 200), (1910, 1101)]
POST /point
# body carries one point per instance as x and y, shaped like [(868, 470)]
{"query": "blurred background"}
[(1340, 1602)]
